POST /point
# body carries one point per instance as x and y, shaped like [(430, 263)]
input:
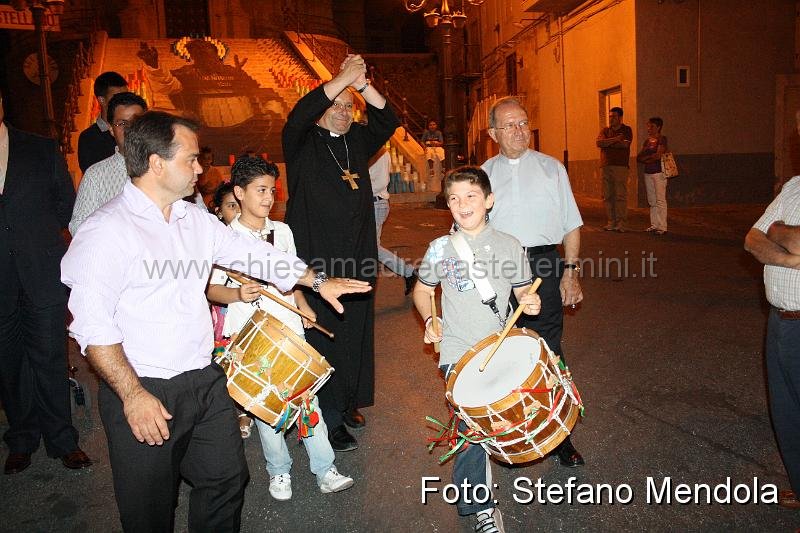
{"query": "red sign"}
[(12, 19)]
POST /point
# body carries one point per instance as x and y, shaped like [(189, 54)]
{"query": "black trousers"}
[(33, 377), (549, 323), (204, 447)]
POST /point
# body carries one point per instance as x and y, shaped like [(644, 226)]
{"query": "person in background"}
[(656, 183), (210, 179), (379, 177), (36, 198), (226, 208), (96, 143), (774, 240), (433, 141), (225, 205), (105, 179), (615, 152)]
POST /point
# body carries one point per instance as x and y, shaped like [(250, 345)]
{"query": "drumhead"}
[(508, 368)]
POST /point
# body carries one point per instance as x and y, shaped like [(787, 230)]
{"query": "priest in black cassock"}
[(331, 215)]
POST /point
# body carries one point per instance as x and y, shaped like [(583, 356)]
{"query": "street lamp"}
[(445, 19), (38, 8)]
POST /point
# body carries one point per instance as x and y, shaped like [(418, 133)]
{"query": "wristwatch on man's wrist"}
[(572, 266), (319, 279)]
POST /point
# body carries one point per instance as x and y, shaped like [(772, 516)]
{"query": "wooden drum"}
[(522, 405), (270, 369)]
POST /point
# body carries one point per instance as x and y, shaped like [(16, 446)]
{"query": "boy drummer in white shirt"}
[(253, 181)]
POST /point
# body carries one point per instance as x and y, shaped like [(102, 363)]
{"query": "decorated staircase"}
[(270, 82)]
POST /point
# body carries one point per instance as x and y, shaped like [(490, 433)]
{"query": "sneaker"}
[(333, 481), (609, 227), (660, 231), (280, 487), (489, 521), (651, 229)]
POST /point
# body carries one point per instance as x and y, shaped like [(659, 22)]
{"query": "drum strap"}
[(488, 296)]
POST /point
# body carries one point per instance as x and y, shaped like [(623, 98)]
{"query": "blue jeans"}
[(392, 261), (783, 378), (471, 464), (318, 448)]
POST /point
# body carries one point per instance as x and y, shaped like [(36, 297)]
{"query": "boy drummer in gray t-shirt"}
[(500, 259)]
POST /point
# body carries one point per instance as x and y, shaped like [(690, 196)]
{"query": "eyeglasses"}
[(121, 123), (522, 125), (342, 107)]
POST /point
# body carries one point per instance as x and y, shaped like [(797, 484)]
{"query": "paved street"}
[(669, 364)]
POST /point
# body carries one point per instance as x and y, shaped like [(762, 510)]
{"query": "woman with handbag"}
[(655, 181)]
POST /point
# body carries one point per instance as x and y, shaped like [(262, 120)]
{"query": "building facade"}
[(708, 68)]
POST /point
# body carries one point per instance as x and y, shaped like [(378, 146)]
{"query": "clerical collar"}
[(334, 134), (518, 159)]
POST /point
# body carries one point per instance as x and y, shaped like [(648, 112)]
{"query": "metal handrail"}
[(80, 69)]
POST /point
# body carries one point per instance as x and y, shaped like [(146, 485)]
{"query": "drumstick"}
[(434, 320), (509, 325), (241, 279)]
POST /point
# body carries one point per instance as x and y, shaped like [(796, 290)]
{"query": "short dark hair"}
[(247, 168), (225, 188), (124, 99), (106, 80), (472, 174), (152, 133), (617, 110), (659, 123)]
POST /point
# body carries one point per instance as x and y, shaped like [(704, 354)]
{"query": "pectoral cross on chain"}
[(350, 177)]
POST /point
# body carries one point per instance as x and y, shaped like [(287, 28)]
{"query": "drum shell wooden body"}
[(519, 445), (294, 366)]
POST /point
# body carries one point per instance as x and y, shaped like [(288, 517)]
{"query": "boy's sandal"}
[(245, 429)]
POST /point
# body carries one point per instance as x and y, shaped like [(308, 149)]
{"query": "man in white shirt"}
[(534, 203), (138, 270), (775, 241)]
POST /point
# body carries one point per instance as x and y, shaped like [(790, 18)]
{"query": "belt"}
[(788, 315), (534, 250), (377, 198)]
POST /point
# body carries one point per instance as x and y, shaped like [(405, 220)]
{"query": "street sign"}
[(12, 19)]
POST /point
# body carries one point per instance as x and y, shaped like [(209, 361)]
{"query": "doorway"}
[(609, 98)]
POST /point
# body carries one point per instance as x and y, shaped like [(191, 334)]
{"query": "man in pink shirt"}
[(138, 271)]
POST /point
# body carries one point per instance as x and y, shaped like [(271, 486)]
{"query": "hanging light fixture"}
[(441, 14)]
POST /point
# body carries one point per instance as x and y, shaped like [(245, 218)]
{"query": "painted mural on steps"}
[(236, 114)]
